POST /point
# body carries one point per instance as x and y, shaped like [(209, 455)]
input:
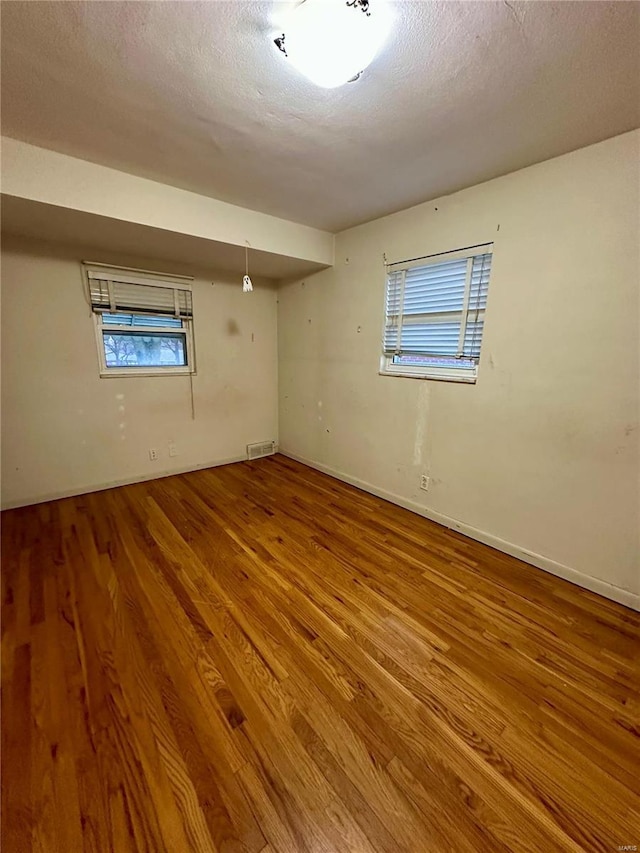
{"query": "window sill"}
[(440, 377), (119, 374)]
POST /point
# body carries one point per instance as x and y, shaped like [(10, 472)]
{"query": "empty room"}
[(320, 390)]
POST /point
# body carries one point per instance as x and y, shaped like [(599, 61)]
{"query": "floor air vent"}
[(263, 448)]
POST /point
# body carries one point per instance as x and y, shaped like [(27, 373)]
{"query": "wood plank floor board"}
[(259, 658)]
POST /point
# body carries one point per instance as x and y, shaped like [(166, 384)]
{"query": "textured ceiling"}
[(194, 94)]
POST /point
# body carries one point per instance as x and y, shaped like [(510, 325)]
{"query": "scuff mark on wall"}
[(517, 19), (422, 424)]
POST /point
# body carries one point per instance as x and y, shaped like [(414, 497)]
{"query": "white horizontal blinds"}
[(432, 309), (112, 292), (140, 321), (439, 311), (395, 284), (481, 270)]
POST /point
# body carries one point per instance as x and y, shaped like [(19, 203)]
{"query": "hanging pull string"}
[(477, 303), (247, 286)]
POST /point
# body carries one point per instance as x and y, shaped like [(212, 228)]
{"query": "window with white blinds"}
[(434, 315), (143, 321), (113, 290)]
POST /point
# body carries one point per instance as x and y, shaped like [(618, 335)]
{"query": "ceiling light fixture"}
[(332, 41)]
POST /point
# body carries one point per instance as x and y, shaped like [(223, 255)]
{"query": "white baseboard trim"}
[(101, 487), (615, 593)]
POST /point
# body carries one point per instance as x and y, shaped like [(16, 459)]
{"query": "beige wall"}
[(65, 430), (40, 175), (540, 456)]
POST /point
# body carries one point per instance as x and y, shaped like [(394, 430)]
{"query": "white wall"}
[(541, 456), (66, 430)]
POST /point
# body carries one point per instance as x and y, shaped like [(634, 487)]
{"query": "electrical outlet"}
[(424, 482), (173, 450), (153, 454)]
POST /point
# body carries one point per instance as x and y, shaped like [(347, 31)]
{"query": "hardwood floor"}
[(261, 658)]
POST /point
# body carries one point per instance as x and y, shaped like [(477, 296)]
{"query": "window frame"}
[(107, 372), (467, 376), (419, 371)]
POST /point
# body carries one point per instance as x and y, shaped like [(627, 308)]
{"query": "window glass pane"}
[(137, 321), (124, 349)]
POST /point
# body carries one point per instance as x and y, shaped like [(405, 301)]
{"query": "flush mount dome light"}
[(332, 41)]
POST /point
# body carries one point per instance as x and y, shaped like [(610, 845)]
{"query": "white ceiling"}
[(194, 94)]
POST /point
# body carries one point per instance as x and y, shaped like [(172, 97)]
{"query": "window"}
[(434, 315), (143, 325)]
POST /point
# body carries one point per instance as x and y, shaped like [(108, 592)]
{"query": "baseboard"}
[(101, 487), (615, 593)]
